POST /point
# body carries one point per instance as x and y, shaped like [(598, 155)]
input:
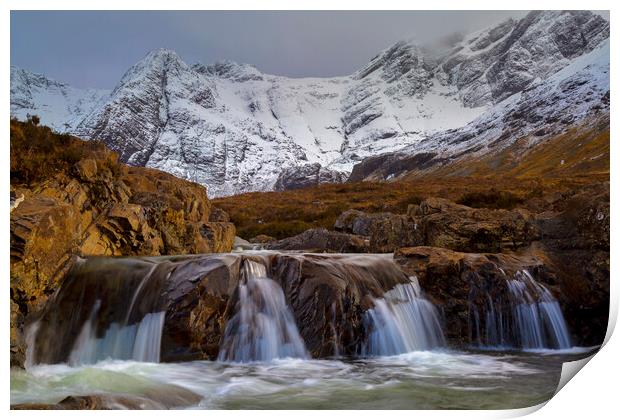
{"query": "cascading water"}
[(263, 327), (529, 318), (140, 342), (114, 315), (402, 321)]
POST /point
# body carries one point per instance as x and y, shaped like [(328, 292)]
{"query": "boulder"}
[(329, 295), (322, 240), (357, 222), (159, 398), (218, 215), (576, 241), (449, 225)]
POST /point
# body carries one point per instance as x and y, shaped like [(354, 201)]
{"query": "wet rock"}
[(576, 240), (455, 280), (329, 294), (242, 244), (195, 291), (322, 240), (169, 397)]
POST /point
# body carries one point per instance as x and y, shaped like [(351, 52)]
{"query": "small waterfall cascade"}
[(140, 342), (528, 317), (106, 309), (263, 327), (402, 321)]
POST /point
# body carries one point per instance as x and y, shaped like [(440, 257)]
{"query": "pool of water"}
[(418, 380)]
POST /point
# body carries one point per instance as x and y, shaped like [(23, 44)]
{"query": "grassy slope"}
[(512, 174)]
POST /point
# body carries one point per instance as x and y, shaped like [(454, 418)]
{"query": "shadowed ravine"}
[(292, 325)]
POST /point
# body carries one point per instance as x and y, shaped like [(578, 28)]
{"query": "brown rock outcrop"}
[(328, 295), (461, 228), (442, 223), (575, 241)]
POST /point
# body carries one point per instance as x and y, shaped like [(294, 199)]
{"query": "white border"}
[(591, 395)]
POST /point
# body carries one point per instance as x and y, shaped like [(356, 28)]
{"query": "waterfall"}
[(529, 317), (139, 342), (402, 321), (263, 327), (31, 338)]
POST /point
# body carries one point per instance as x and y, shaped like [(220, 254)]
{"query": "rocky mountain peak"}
[(490, 65), (231, 70), (401, 59)]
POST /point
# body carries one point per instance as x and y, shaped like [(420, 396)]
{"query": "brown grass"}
[(37, 153)]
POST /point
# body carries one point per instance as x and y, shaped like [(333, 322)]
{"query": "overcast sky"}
[(94, 49)]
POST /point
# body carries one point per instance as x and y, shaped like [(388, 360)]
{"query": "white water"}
[(263, 327), (534, 319), (419, 380), (140, 342), (538, 317), (402, 321)]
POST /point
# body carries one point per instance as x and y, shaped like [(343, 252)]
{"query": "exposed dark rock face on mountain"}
[(234, 129), (307, 176), (98, 207)]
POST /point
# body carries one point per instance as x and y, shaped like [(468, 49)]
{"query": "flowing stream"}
[(111, 343), (417, 380)]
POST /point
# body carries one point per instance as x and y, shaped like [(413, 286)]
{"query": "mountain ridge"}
[(235, 129)]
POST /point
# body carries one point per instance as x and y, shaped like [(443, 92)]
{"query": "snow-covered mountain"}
[(60, 106), (235, 129)]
